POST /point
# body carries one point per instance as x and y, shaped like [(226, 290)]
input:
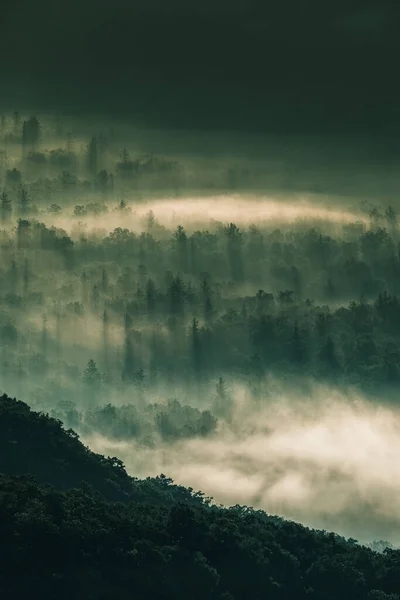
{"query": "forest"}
[(97, 291), (74, 524), (177, 312)]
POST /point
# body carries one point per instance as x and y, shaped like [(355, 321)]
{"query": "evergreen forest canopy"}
[(164, 307)]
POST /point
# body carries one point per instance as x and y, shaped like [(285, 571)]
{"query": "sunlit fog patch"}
[(326, 461), (246, 210), (209, 211)]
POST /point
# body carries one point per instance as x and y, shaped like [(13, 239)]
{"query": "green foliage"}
[(91, 375), (5, 207), (165, 311), (158, 540), (31, 132), (33, 443)]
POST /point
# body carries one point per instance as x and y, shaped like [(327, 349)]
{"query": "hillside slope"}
[(35, 444), (71, 539)]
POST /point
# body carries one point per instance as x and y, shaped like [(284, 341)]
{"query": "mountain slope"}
[(78, 543), (35, 444)]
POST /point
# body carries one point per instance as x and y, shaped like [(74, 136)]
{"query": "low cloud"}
[(329, 460), (200, 212)]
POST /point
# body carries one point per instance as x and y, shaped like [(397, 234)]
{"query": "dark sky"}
[(287, 65)]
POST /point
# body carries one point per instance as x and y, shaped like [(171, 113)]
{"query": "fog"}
[(200, 212), (228, 319), (328, 460)]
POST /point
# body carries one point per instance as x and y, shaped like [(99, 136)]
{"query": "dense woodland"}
[(141, 304), (117, 321), (76, 525)]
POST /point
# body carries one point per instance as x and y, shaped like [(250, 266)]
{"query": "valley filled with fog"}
[(227, 319)]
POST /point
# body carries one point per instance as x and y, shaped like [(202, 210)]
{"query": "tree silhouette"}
[(177, 294), (235, 241), (196, 346), (31, 133), (24, 201), (208, 308), (91, 375), (223, 401), (182, 247), (5, 207), (105, 320), (92, 156)]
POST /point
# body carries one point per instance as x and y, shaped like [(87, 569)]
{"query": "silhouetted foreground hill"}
[(35, 444), (162, 543)]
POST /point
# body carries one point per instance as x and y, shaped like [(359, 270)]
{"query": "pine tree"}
[(31, 133), (235, 242), (223, 401), (24, 201), (5, 207), (181, 245), (138, 379), (221, 389), (151, 220), (92, 156), (196, 345), (91, 375), (208, 308), (105, 320), (177, 295)]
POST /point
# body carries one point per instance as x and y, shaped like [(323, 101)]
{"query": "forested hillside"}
[(199, 290), (180, 321), (63, 535)]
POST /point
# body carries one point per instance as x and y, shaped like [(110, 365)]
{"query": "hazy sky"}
[(254, 65)]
